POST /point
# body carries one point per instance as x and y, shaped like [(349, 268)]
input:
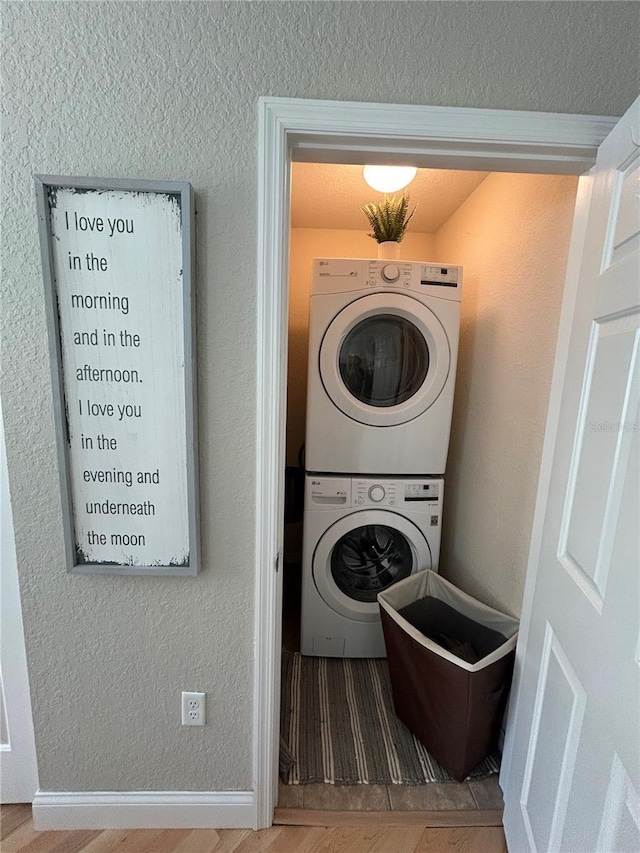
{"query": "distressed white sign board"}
[(117, 265)]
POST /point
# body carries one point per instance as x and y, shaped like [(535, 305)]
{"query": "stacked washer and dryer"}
[(383, 346)]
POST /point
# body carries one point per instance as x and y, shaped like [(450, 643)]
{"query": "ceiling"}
[(328, 195)]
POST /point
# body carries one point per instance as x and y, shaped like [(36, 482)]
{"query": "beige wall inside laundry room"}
[(512, 238)]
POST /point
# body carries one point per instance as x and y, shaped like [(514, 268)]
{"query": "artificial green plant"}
[(389, 219)]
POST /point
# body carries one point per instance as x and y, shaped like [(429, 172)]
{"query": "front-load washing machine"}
[(360, 536), (383, 349)]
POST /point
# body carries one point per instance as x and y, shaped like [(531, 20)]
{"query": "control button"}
[(359, 501), (371, 282), (392, 501), (376, 493), (390, 272)]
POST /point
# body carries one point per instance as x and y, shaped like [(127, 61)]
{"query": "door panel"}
[(571, 770), (624, 217), (619, 829), (555, 733), (600, 453)]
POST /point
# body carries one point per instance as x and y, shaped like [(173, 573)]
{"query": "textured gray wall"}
[(169, 90)]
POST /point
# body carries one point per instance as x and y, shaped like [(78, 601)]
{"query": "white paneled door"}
[(571, 773)]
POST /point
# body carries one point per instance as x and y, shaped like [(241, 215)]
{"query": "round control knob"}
[(390, 272), (376, 493)]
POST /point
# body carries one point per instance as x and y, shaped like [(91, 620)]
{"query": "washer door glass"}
[(363, 553), (369, 559), (384, 360)]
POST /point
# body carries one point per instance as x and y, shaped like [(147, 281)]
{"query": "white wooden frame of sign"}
[(175, 349), (343, 132)]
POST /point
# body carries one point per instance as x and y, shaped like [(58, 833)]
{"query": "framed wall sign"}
[(117, 259)]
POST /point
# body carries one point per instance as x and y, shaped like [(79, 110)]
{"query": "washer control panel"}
[(326, 491), (377, 493), (386, 492), (422, 491), (374, 492)]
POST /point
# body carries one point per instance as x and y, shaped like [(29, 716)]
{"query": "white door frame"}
[(344, 132), (18, 763)]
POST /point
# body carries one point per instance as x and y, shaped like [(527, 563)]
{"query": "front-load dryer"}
[(383, 349), (360, 536)]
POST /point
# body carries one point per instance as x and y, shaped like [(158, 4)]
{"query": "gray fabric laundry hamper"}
[(453, 705)]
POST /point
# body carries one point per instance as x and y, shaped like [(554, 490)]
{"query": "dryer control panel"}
[(438, 275), (340, 275)]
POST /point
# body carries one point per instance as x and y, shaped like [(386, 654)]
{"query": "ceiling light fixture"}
[(388, 179)]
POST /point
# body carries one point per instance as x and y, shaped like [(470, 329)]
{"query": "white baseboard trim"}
[(143, 810)]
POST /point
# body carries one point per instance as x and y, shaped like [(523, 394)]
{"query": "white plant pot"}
[(389, 251)]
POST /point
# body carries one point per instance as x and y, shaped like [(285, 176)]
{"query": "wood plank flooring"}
[(19, 836), (330, 817), (469, 796)]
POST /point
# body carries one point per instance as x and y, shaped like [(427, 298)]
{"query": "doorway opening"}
[(327, 132), (478, 220)]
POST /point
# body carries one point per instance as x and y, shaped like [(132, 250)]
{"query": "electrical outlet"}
[(194, 709)]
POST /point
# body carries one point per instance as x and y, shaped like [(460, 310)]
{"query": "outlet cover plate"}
[(194, 709)]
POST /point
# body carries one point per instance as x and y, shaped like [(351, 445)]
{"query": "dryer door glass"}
[(384, 360), (369, 559)]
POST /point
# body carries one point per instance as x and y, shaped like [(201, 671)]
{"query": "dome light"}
[(388, 179)]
